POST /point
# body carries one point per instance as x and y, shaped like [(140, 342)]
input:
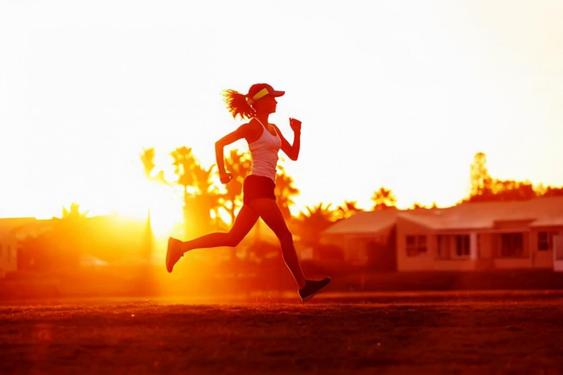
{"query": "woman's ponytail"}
[(237, 104)]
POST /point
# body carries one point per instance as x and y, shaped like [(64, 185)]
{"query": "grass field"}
[(470, 332)]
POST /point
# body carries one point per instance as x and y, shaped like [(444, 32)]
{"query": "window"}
[(416, 245), (462, 249), (545, 241), (511, 245)]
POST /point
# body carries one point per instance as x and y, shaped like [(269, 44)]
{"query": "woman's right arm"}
[(241, 132)]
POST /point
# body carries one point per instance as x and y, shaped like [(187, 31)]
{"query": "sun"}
[(165, 217), (146, 199)]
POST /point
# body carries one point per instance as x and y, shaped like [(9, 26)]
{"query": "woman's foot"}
[(312, 287), (173, 253)]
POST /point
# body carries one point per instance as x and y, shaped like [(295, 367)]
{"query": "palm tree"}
[(206, 198), (184, 163), (383, 198), (147, 158), (484, 187), (285, 191), (73, 213), (188, 172), (313, 221), (240, 165), (347, 209), (417, 205), (200, 195), (481, 180)]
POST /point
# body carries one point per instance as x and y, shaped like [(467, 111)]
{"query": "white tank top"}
[(264, 152)]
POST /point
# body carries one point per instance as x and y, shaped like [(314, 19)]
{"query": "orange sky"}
[(398, 94)]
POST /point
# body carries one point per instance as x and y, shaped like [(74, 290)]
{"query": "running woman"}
[(264, 141)]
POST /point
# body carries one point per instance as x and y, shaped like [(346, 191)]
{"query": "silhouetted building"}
[(32, 244), (9, 243), (470, 236)]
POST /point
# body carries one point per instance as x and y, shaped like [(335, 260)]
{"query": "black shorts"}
[(257, 187)]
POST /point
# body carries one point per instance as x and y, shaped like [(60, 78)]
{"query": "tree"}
[(184, 163), (481, 181), (285, 191), (486, 188), (383, 198), (73, 213), (205, 199), (147, 158), (311, 222), (418, 205), (199, 194), (552, 191), (347, 209), (240, 165)]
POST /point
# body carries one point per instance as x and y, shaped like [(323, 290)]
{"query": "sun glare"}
[(164, 208), (144, 197)]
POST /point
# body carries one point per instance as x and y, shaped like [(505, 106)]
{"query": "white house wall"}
[(430, 261), (542, 258)]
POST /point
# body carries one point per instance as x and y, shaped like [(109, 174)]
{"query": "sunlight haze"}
[(399, 94)]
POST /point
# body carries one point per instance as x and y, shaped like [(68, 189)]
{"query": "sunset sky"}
[(399, 94)]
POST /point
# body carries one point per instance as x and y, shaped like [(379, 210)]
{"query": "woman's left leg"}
[(269, 211), (244, 221), (242, 225)]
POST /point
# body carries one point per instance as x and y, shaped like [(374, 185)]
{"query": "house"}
[(101, 239), (466, 237), (9, 243), (367, 238)]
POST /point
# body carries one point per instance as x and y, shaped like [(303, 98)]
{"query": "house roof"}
[(544, 211), (8, 225), (365, 222), (470, 215)]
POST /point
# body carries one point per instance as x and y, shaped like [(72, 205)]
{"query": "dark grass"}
[(500, 332)]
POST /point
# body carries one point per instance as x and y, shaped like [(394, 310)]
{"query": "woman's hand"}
[(295, 125), (225, 177)]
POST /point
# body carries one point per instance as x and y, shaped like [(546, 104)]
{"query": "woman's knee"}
[(233, 239)]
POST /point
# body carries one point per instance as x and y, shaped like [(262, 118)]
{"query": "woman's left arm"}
[(292, 151)]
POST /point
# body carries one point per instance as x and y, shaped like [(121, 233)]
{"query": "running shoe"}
[(312, 287)]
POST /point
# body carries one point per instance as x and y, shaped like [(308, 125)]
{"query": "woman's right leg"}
[(244, 221), (271, 214)]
